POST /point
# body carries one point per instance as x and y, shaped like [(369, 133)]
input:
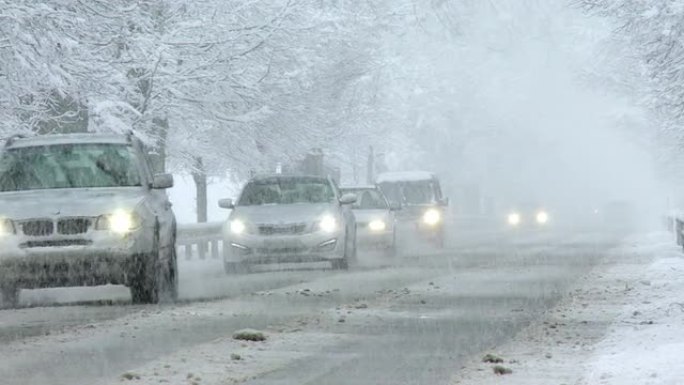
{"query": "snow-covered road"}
[(413, 320)]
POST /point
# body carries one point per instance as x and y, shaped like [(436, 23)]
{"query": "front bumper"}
[(368, 239), (256, 249), (100, 259)]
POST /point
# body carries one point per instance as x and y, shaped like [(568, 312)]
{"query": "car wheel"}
[(391, 251), (144, 279), (153, 280), (347, 255), (168, 275), (10, 296), (353, 255)]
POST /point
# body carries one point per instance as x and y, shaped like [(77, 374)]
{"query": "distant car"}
[(420, 196), (285, 218), (85, 209), (527, 216), (375, 218)]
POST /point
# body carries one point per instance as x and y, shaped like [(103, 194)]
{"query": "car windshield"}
[(286, 191), (62, 166), (410, 193), (368, 199)]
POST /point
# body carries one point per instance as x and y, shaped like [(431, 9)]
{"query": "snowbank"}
[(646, 344), (619, 325)]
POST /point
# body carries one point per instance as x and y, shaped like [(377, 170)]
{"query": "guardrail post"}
[(205, 237)]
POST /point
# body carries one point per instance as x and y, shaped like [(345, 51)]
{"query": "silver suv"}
[(83, 210)]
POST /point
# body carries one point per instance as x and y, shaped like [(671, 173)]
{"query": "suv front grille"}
[(56, 243), (282, 229), (73, 226), (38, 227)]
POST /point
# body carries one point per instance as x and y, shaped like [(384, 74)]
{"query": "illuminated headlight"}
[(237, 226), (6, 227), (542, 217), (377, 225), (432, 217), (513, 219), (119, 222), (328, 224)]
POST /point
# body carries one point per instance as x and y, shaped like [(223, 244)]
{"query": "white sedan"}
[(375, 219)]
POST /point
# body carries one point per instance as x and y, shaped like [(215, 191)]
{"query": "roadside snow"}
[(646, 345), (621, 324)]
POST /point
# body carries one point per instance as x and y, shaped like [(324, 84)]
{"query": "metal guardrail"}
[(204, 240), (200, 239)]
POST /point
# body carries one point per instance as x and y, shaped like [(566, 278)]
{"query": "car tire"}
[(348, 255), (168, 276), (153, 281), (391, 251), (10, 296)]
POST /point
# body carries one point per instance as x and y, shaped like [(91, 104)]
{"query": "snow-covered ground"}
[(621, 325)]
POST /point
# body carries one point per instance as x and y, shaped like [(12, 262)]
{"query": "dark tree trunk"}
[(370, 167), (199, 174)]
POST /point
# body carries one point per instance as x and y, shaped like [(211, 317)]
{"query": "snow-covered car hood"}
[(365, 216), (68, 202), (283, 214)]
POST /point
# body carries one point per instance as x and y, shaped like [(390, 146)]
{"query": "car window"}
[(68, 166), (414, 192), (368, 199), (286, 191)]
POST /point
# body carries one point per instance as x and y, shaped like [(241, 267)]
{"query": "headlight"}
[(328, 224), (377, 225), (119, 222), (237, 226), (542, 217), (513, 219), (432, 217), (6, 227)]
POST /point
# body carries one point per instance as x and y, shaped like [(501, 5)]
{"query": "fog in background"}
[(540, 105)]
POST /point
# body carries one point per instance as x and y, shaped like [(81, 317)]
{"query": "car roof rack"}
[(11, 139)]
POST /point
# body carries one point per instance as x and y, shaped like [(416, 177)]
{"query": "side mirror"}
[(162, 181), (348, 199), (395, 206), (444, 202), (226, 203)]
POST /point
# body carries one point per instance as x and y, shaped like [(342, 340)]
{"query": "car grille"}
[(57, 243), (38, 227), (281, 250), (73, 226), (291, 229)]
